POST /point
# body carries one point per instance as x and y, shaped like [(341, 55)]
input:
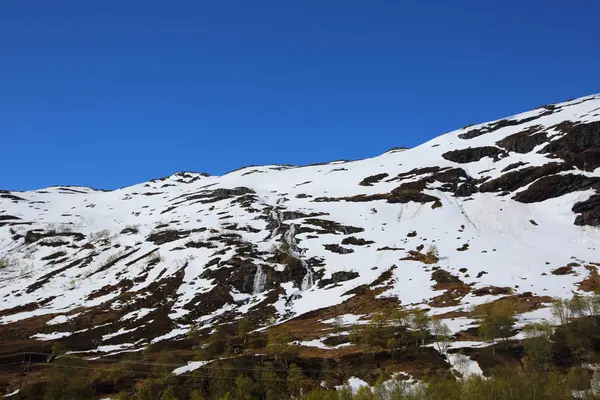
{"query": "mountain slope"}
[(511, 206)]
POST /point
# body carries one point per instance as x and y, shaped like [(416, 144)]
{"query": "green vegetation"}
[(4, 262), (550, 363)]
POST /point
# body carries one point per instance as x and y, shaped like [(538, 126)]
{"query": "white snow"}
[(192, 366), (512, 251), (51, 336), (464, 365), (12, 393)]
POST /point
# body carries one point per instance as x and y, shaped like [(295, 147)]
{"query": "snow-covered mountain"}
[(506, 208)]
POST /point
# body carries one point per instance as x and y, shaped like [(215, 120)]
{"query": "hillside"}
[(506, 209)]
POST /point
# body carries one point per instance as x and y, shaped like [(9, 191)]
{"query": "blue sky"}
[(112, 93)]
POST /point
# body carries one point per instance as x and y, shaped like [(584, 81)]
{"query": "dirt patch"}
[(414, 255), (592, 282), (454, 288), (566, 270), (522, 303), (492, 291)]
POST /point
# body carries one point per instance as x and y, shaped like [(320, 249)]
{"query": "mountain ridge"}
[(507, 209)]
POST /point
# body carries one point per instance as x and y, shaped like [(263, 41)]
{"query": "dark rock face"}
[(336, 248), (35, 235), (166, 236), (554, 186), (128, 230), (414, 172), (472, 154), (370, 180), (450, 175), (516, 179), (212, 196), (337, 277), (289, 215), (334, 227), (356, 241), (525, 141), (403, 196), (513, 166), (589, 211), (579, 146)]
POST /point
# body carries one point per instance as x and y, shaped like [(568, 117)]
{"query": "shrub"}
[(433, 251), (4, 262), (103, 234)]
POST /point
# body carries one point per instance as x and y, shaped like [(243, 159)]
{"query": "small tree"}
[(196, 395), (278, 345), (242, 329), (338, 324), (561, 310), (496, 321), (243, 388), (420, 322), (433, 251), (578, 305), (401, 321), (538, 346), (442, 334), (295, 381)]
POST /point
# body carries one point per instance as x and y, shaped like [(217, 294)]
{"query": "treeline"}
[(548, 363)]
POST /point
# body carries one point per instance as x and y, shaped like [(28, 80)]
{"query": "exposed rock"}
[(370, 180), (166, 236), (566, 270), (513, 166), (589, 211), (356, 241), (555, 186), (579, 146), (473, 154), (334, 227), (525, 141), (336, 248), (503, 123), (492, 291), (337, 277), (514, 180)]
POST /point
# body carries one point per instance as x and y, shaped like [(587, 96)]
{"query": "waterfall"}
[(290, 239), (259, 280), (307, 281)]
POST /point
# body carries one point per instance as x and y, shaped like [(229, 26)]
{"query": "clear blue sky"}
[(111, 93)]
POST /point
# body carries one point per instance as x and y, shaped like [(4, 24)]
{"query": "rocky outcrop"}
[(472, 154), (514, 180), (337, 277), (525, 141), (503, 123), (580, 145), (555, 186), (589, 211), (370, 180)]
